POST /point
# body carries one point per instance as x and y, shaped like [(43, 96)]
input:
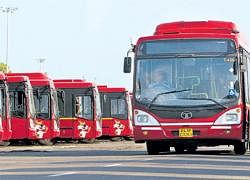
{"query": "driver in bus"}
[(159, 84)]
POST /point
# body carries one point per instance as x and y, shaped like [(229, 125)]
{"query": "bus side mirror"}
[(127, 65)]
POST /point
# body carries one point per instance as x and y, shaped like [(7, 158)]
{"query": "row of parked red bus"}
[(35, 108)]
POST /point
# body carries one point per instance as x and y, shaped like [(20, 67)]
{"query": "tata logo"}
[(186, 115)]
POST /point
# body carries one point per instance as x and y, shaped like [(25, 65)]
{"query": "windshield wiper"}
[(168, 92), (209, 99)]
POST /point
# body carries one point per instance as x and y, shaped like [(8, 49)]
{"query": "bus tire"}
[(45, 142), (127, 138), (88, 141), (115, 139), (4, 143), (179, 149), (240, 148), (192, 149), (152, 148)]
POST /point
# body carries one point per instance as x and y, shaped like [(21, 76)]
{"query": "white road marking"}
[(62, 174), (148, 159), (112, 165)]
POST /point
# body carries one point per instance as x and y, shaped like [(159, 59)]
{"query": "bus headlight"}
[(142, 118), (230, 117)]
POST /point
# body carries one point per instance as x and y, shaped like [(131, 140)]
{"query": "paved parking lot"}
[(123, 160)]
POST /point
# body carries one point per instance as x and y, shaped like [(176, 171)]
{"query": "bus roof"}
[(17, 79), (40, 82), (197, 30), (209, 26), (32, 76), (69, 80), (104, 88), (74, 84)]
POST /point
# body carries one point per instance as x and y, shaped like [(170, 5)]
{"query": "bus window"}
[(17, 100), (83, 107)]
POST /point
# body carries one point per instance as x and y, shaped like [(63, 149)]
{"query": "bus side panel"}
[(66, 128), (116, 127), (19, 128), (84, 129)]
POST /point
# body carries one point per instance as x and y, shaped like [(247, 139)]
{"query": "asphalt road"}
[(118, 160)]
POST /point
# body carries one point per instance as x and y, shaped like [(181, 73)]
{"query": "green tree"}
[(3, 68)]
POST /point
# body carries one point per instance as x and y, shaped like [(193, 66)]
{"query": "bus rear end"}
[(190, 90), (79, 109), (116, 112)]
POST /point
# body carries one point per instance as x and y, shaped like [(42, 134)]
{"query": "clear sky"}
[(90, 37)]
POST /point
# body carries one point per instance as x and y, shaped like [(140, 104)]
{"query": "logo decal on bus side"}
[(186, 115)]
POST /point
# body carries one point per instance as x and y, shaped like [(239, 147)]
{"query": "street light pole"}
[(7, 10), (40, 61)]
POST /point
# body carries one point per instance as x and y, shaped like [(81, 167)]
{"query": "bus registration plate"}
[(186, 132)]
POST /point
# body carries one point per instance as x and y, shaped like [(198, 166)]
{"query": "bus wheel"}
[(127, 138), (29, 142), (240, 148), (152, 148), (179, 149), (192, 149), (4, 143), (88, 141), (115, 139), (46, 142)]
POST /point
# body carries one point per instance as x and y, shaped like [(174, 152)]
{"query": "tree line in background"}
[(3, 68)]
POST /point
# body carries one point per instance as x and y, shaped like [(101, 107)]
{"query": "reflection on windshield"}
[(55, 104), (97, 104), (31, 102), (207, 78)]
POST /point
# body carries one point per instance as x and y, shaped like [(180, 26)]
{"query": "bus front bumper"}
[(229, 132)]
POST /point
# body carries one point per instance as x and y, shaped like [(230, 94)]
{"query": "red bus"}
[(79, 109), (22, 108), (46, 106), (116, 112), (5, 125), (191, 87)]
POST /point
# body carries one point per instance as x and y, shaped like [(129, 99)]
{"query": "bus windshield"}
[(42, 102), (17, 99), (186, 81), (114, 105)]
